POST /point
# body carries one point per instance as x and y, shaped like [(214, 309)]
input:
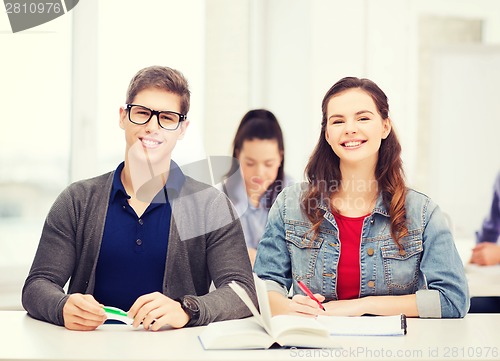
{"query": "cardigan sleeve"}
[(43, 295), (68, 248), (207, 245)]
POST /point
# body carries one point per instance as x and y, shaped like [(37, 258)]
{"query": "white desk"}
[(476, 337), (483, 281)]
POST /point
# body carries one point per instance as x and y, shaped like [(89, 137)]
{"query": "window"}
[(35, 146)]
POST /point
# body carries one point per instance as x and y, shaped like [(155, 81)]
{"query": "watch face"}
[(191, 305), (191, 308)]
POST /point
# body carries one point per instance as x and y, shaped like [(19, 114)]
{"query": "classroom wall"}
[(464, 126), (241, 54), (305, 46)]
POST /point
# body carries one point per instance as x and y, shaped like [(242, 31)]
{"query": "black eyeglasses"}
[(140, 115)]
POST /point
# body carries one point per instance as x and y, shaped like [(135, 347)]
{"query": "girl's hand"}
[(305, 306), (345, 307)]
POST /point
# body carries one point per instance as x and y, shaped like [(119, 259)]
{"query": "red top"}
[(348, 271)]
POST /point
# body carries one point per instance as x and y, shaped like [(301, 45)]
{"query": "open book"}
[(263, 330)]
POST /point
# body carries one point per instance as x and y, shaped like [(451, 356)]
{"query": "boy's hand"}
[(486, 254), (83, 313), (155, 310)]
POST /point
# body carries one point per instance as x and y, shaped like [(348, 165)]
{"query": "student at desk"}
[(254, 182), (144, 237), (361, 240), (487, 250)]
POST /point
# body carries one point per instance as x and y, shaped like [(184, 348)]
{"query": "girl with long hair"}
[(257, 174), (354, 233)]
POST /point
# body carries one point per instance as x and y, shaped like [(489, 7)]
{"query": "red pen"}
[(308, 292)]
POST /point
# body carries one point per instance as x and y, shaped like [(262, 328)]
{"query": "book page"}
[(286, 330), (266, 324), (263, 299), (244, 333)]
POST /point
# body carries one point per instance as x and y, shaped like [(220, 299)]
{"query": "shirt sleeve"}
[(43, 295), (273, 259), (490, 229)]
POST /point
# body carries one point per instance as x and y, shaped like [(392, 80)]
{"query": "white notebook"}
[(365, 325)]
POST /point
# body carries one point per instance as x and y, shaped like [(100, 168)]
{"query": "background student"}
[(259, 148), (144, 237), (354, 233), (487, 250)]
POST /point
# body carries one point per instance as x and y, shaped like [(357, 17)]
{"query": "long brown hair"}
[(323, 169)]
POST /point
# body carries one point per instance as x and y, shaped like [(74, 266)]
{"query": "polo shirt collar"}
[(175, 181), (117, 187)]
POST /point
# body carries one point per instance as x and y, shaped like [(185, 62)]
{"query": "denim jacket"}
[(429, 265)]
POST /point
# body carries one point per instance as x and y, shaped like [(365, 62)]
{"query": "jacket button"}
[(371, 284), (370, 251), (138, 242)]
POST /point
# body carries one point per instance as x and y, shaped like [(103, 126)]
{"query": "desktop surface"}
[(476, 337)]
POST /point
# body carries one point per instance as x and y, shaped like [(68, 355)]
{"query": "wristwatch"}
[(189, 305)]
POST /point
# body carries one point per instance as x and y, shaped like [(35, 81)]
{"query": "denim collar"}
[(380, 207)]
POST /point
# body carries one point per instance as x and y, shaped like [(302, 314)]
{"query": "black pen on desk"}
[(308, 292)]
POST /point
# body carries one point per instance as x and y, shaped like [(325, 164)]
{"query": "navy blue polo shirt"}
[(133, 250)]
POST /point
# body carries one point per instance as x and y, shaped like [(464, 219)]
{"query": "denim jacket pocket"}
[(303, 250), (401, 267)]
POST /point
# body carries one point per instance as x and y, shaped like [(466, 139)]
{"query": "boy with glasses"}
[(145, 237)]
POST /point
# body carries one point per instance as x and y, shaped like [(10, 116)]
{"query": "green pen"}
[(114, 313)]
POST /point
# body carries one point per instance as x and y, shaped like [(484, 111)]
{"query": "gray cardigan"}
[(206, 243)]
